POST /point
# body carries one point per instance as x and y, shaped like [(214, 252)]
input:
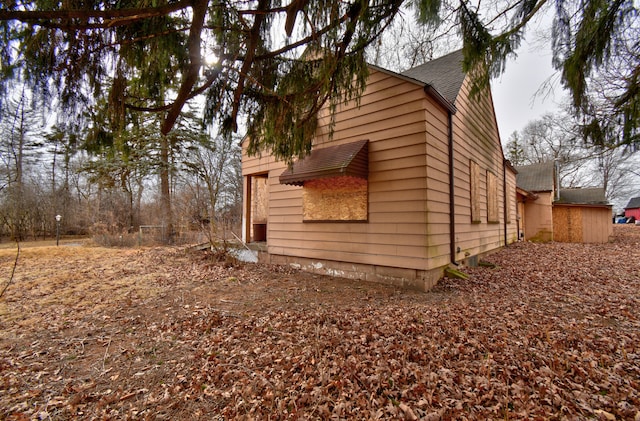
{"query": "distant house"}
[(412, 180), (536, 192), (633, 209), (547, 213)]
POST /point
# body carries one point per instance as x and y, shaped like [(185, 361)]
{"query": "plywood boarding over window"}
[(474, 174), (492, 198), (509, 201), (335, 199), (260, 199)]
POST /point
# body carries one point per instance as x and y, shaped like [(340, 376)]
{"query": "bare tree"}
[(553, 137), (18, 145), (581, 164), (614, 169), (213, 163)]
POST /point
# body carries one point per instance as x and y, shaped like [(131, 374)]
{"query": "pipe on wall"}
[(451, 109), (504, 200), (452, 207)]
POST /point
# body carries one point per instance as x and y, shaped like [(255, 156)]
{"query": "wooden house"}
[(412, 180), (633, 209), (536, 193), (548, 213)]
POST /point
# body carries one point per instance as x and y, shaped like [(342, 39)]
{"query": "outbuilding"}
[(548, 213), (582, 215)]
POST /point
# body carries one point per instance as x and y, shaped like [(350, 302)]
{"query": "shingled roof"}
[(634, 203), (444, 74), (536, 177), (583, 196)]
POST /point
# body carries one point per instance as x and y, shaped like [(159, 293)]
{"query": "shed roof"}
[(349, 159), (536, 177), (634, 203), (583, 196), (445, 74)]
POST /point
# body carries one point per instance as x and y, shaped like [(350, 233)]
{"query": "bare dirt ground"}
[(552, 332)]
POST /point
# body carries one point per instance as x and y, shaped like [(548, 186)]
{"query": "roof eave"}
[(430, 90), (584, 205), (440, 99), (510, 166), (526, 194)]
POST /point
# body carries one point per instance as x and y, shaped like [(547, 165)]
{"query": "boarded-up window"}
[(260, 197), (474, 173), (492, 198), (335, 199), (508, 201)]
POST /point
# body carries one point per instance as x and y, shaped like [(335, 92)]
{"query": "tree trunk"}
[(165, 191)]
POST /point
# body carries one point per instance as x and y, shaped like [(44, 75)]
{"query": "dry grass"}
[(70, 279), (551, 332)]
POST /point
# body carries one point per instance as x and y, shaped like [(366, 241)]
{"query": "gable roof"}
[(583, 196), (349, 159), (536, 177), (444, 74), (633, 203)]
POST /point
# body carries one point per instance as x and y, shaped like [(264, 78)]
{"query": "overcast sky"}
[(521, 94), (517, 94)]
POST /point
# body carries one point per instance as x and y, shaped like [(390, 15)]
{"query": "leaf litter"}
[(551, 333)]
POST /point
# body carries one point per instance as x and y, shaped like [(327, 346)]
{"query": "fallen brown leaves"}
[(551, 333)]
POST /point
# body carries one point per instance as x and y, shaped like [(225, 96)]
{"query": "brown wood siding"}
[(392, 117), (437, 200), (538, 225), (597, 225), (476, 138), (408, 187)]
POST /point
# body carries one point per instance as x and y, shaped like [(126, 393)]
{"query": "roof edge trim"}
[(429, 89)]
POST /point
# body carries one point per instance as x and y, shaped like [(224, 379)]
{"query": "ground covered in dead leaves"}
[(552, 332)]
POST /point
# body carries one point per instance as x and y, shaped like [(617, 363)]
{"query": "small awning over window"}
[(350, 159)]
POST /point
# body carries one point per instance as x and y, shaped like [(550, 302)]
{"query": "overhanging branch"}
[(199, 8), (86, 15)]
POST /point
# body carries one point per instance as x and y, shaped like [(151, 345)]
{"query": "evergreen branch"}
[(46, 23), (315, 35), (195, 92), (525, 20), (632, 90), (254, 37), (265, 12), (83, 14), (504, 12), (159, 109), (199, 9), (146, 37)]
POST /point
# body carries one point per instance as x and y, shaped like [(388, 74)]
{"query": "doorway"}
[(256, 208)]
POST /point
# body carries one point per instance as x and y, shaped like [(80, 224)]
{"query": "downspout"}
[(504, 199), (451, 109), (452, 207)]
